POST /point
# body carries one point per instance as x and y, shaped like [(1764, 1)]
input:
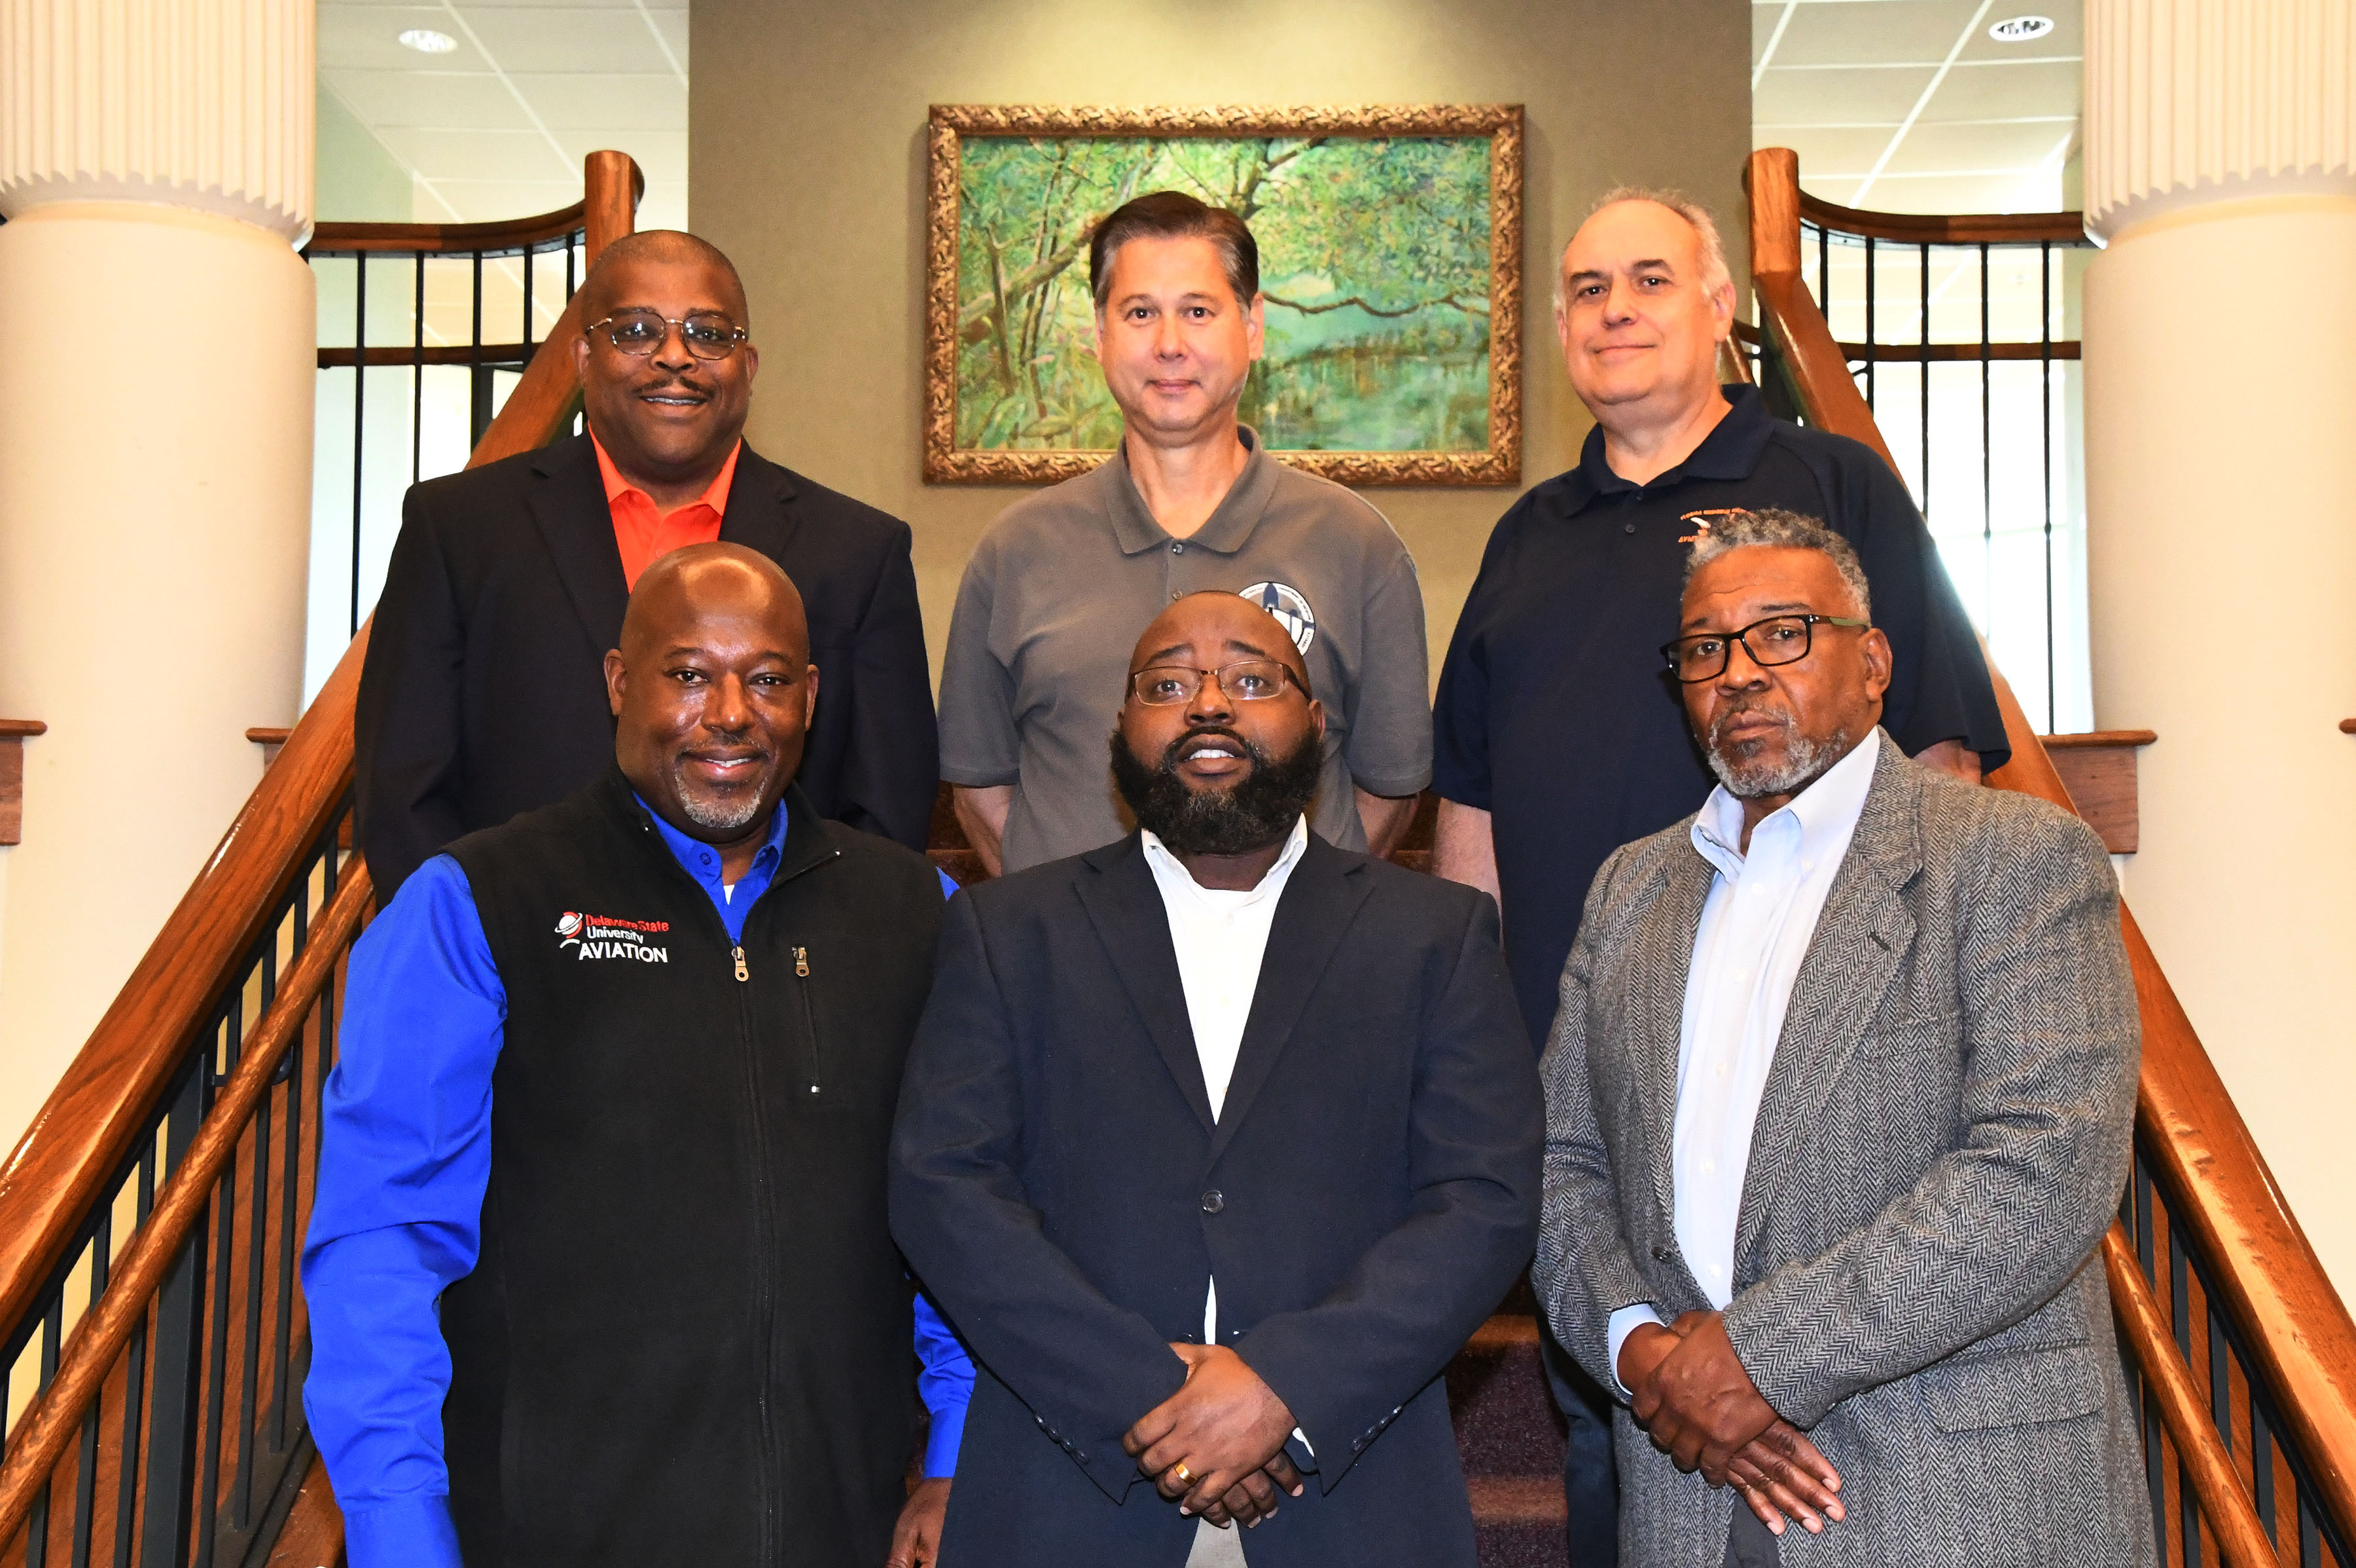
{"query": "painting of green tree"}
[(1374, 258)]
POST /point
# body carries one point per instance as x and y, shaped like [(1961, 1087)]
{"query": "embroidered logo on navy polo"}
[(609, 936), (1291, 607)]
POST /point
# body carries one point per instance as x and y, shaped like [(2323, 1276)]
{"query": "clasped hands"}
[(1216, 1446), (1699, 1407)]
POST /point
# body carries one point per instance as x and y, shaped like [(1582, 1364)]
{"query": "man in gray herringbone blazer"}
[(1839, 1099)]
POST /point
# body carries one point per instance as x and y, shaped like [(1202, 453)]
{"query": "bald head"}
[(711, 692), (606, 287)]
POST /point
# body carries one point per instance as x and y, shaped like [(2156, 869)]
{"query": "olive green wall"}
[(807, 156)]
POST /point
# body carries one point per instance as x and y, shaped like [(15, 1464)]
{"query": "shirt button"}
[(1177, 547), (1175, 595), (707, 860), (1628, 528), (1213, 1202)]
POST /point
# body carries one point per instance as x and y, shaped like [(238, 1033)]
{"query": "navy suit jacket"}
[(1366, 1197), (483, 694)]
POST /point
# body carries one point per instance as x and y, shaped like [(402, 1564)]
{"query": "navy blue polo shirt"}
[(1557, 713)]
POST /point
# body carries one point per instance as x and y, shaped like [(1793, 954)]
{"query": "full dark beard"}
[(1256, 813)]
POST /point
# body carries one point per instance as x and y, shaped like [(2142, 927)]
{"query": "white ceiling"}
[(498, 126), (1909, 106), (1898, 105)]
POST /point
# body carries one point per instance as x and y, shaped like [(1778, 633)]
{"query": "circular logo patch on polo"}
[(568, 924), (1291, 607)]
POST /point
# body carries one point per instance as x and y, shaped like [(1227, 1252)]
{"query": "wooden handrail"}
[(54, 1419), (90, 1120), (1952, 229), (619, 194), (2217, 1183), (2206, 1464)]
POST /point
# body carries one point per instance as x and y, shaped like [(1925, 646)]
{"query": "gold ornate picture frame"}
[(1387, 337)]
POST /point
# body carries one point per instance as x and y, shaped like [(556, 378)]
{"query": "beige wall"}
[(807, 152)]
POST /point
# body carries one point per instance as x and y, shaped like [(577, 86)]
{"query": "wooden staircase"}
[(151, 1323)]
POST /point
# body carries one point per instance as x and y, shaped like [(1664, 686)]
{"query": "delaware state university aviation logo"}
[(1291, 607), (605, 936)]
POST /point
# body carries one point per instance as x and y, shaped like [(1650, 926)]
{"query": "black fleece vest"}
[(687, 1338)]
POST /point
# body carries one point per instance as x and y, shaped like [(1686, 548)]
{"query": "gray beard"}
[(1803, 762), (715, 817)]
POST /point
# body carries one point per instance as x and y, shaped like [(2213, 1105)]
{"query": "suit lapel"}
[(1118, 893), (762, 512), (569, 505), (1319, 900), (1862, 935), (1662, 956)]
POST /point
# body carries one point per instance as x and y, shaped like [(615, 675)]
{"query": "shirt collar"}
[(700, 860), (715, 494), (1731, 451), (1226, 531), (1170, 871), (1826, 811)]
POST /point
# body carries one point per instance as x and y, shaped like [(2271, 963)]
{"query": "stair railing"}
[(2247, 1368), (156, 1338)]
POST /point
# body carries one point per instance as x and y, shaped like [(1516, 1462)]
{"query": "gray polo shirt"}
[(1064, 582)]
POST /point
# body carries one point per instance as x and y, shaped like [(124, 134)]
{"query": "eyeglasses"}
[(638, 333), (1778, 639), (1247, 680)]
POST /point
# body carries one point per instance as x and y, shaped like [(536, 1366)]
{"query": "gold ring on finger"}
[(1185, 1476)]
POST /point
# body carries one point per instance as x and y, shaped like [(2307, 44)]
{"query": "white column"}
[(155, 469), (2221, 501)]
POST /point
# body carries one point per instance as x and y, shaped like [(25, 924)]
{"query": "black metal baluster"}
[(208, 1463), (478, 395), (126, 1486), (1825, 272), (179, 1329), (2143, 1223), (527, 304), (280, 1394), (359, 421), (101, 1254), (1872, 286), (1926, 378), (2153, 1476), (1988, 456), (256, 1254), (2261, 1464), (2310, 1540), (2045, 386), (37, 1525), (417, 378), (2188, 1510)]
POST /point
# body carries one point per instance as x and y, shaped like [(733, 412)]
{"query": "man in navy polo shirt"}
[(1557, 732)]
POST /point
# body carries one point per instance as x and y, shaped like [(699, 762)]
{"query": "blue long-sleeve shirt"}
[(397, 1217)]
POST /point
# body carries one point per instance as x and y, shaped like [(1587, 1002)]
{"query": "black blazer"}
[(1366, 1198), (483, 695)]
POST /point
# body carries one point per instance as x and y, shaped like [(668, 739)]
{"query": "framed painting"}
[(1390, 258)]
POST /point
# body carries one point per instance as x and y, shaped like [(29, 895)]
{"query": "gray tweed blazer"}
[(1942, 1140)]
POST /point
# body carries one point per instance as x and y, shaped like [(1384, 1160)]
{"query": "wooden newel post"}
[(611, 185), (1774, 178)]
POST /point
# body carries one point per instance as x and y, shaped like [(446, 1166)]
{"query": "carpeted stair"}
[(1512, 1440)]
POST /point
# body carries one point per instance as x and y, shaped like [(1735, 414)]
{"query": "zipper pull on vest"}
[(738, 953), (801, 963)]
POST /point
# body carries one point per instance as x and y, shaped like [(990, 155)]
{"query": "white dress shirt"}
[(1221, 936), (1755, 931)]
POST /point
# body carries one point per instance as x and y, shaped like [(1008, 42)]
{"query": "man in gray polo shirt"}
[(1049, 609)]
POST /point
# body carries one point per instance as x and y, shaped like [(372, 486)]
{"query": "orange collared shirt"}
[(645, 534)]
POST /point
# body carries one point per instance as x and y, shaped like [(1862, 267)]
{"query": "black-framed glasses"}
[(638, 333), (1778, 639), (1246, 681)]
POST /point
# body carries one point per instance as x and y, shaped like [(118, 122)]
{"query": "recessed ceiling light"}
[(2020, 30), (426, 41)]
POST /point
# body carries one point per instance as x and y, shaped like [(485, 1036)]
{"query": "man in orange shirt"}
[(511, 578)]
